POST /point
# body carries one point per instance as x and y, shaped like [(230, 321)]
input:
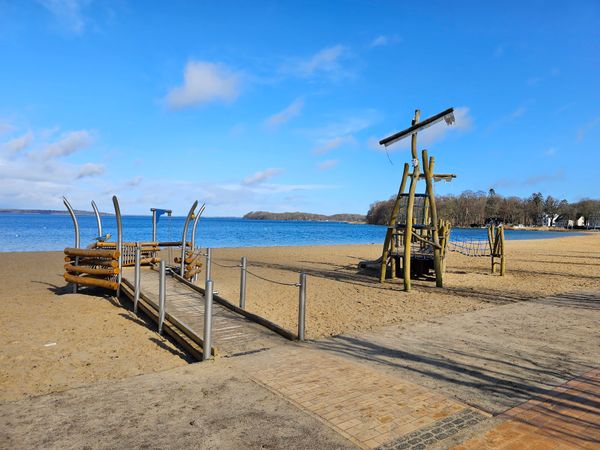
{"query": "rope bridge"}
[(470, 247)]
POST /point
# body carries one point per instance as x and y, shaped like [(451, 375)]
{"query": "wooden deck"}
[(233, 333)]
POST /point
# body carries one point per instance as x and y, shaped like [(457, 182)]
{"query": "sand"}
[(98, 340), (339, 299)]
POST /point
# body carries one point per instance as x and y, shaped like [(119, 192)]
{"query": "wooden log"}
[(91, 281), (92, 253), (93, 261), (190, 273), (502, 256), (143, 261), (91, 270), (410, 205), (428, 165), (390, 231)]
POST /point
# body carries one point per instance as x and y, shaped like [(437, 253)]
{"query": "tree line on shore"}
[(477, 208)]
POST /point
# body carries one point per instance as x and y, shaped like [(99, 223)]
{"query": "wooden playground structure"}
[(417, 240)]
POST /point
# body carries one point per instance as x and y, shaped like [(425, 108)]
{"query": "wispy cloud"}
[(5, 127), (204, 82), (532, 180), (383, 40), (508, 118), (261, 177), (68, 13), (551, 151), (17, 144), (327, 61), (289, 112), (328, 164), (90, 170), (68, 144), (327, 145), (582, 131)]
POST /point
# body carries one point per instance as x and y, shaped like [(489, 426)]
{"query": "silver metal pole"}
[(153, 224), (208, 298), (208, 270), (138, 261), (119, 240), (302, 307), (195, 224), (244, 266), (184, 238), (162, 294), (76, 226), (98, 219)]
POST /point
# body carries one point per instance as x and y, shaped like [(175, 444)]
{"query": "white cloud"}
[(290, 111), (325, 62), (260, 177), (379, 41), (18, 144), (5, 127), (90, 170), (581, 132), (437, 132), (204, 82), (68, 144), (328, 164), (327, 145), (68, 13)]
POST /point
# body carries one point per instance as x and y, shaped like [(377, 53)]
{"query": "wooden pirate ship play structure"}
[(416, 240), (101, 263)]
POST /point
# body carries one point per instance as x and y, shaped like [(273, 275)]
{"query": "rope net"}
[(470, 247)]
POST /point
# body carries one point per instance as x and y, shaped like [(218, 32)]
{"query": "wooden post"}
[(428, 165), (502, 261), (392, 227), (410, 205)]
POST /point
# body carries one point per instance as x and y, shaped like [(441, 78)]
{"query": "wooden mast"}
[(410, 204)]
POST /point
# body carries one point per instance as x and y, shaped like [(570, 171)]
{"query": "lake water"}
[(40, 232)]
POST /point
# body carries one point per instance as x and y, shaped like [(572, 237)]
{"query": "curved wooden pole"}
[(184, 237)]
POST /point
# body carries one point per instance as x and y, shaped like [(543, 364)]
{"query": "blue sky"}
[(279, 105)]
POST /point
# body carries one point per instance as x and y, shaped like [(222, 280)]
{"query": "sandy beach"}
[(55, 340)]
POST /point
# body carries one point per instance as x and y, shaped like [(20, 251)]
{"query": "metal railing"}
[(244, 272)]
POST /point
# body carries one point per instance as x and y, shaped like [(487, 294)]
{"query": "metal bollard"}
[(138, 262), (208, 268), (302, 306), (244, 265), (162, 294), (208, 299)]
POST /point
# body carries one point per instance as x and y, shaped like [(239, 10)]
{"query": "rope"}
[(223, 265), (470, 247), (281, 283)]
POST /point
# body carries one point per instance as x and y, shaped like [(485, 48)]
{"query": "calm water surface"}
[(40, 232)]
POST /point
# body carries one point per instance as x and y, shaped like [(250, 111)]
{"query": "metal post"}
[(77, 241), (138, 261), (207, 344), (153, 224), (195, 225), (162, 294), (208, 271), (184, 238), (119, 241), (244, 265), (98, 219), (302, 306)]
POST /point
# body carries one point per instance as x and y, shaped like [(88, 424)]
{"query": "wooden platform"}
[(233, 333)]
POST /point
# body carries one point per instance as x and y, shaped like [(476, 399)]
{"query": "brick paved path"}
[(366, 406), (568, 418)]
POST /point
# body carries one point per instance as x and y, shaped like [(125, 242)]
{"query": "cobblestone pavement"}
[(568, 418), (367, 406)]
